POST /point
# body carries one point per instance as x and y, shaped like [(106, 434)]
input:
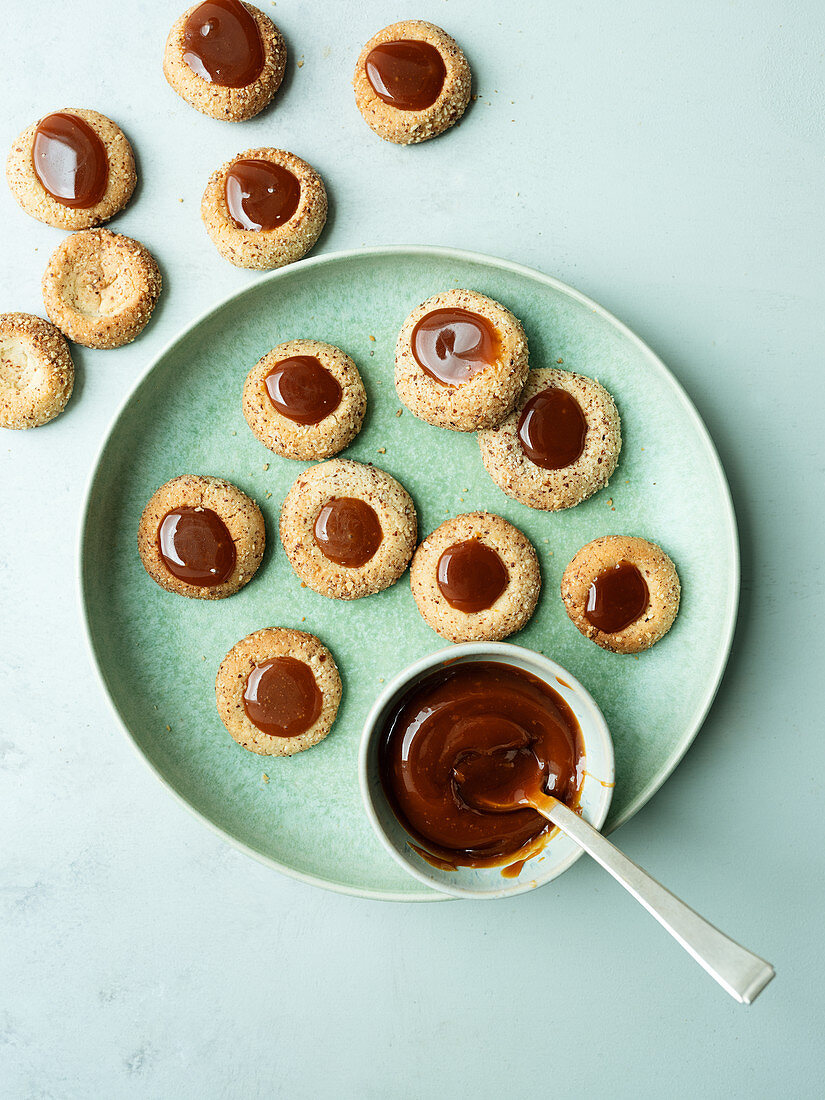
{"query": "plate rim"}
[(440, 252)]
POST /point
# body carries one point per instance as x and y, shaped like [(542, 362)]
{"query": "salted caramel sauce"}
[(552, 429), (471, 576), (282, 698), (221, 44), (302, 389), (471, 732), (70, 160), (260, 195), (452, 345), (408, 75), (617, 597), (348, 531), (196, 546)]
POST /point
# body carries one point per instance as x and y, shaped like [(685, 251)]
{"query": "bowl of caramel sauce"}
[(476, 708)]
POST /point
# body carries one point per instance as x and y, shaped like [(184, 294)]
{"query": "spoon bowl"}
[(560, 852)]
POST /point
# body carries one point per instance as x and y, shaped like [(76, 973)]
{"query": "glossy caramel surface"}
[(479, 723)]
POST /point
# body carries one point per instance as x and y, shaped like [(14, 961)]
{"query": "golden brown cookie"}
[(278, 691), (348, 529), (73, 169), (559, 445), (36, 371), (264, 208), (225, 58), (621, 592), (475, 578), (412, 82), (305, 400), (460, 361), (201, 537), (100, 288)]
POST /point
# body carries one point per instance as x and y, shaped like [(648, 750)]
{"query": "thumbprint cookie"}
[(460, 361), (264, 208), (73, 169), (348, 529), (100, 288), (36, 371), (278, 691), (305, 400), (475, 578), (225, 58), (201, 537), (621, 592), (412, 82), (560, 444)]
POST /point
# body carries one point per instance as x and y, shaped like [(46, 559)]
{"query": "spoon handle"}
[(740, 972)]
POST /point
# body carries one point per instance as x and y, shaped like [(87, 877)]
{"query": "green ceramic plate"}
[(158, 654)]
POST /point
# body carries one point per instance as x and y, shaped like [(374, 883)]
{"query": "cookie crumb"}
[(168, 729), (559, 360), (372, 338), (266, 465), (300, 64), (382, 450), (265, 777)]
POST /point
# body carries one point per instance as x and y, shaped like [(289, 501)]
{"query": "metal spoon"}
[(514, 784)]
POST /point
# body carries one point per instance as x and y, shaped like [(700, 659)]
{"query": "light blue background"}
[(665, 159)]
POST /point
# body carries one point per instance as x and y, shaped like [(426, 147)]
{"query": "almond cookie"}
[(100, 288), (412, 82), (621, 592), (278, 691), (201, 537), (36, 371), (264, 208), (73, 169), (560, 444), (305, 400), (475, 578), (348, 529), (225, 58), (460, 361)]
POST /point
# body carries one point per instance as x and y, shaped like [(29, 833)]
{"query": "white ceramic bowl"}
[(559, 852)]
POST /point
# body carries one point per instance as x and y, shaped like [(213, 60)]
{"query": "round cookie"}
[(234, 74), (510, 467), (214, 548), (598, 581), (371, 547), (109, 178), (480, 355), (320, 400), (263, 676), (100, 288), (475, 578), (275, 219), (412, 82), (36, 371)]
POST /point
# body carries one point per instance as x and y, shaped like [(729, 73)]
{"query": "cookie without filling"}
[(73, 169), (278, 691), (348, 529), (201, 537), (305, 400), (461, 361), (412, 82), (225, 58), (475, 578), (551, 486), (100, 288), (623, 583), (264, 208), (36, 371)]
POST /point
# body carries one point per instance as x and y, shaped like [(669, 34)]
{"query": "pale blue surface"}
[(666, 161)]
